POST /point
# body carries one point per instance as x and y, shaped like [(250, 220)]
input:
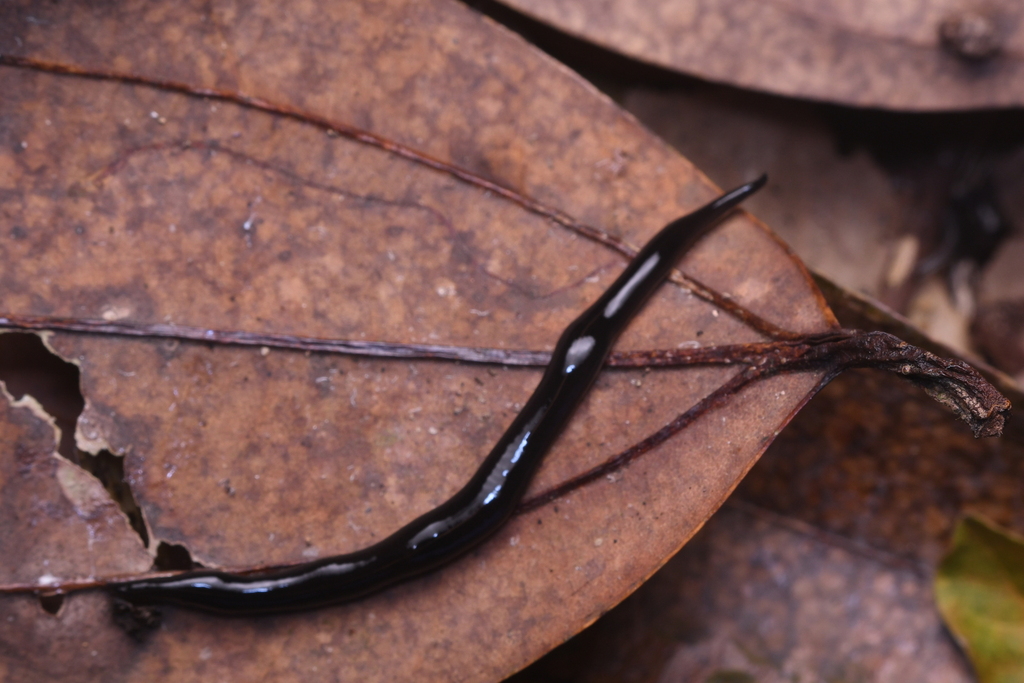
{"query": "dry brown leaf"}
[(129, 202), (912, 54)]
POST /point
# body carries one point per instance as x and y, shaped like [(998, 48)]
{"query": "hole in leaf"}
[(171, 556), (109, 469), (28, 367), (51, 603)]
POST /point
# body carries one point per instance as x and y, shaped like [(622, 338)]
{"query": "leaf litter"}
[(218, 380)]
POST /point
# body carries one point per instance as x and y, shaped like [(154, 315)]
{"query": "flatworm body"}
[(480, 508)]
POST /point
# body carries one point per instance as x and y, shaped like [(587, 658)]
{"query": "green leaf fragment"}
[(979, 589), (730, 676)]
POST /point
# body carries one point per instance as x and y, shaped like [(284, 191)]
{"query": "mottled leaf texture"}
[(199, 164), (980, 591), (910, 54)]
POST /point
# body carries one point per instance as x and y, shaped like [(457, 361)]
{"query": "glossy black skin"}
[(491, 496)]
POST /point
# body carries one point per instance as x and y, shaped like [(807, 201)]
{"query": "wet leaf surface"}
[(129, 201), (980, 592), (912, 55)]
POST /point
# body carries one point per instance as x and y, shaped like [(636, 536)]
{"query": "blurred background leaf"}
[(979, 588)]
